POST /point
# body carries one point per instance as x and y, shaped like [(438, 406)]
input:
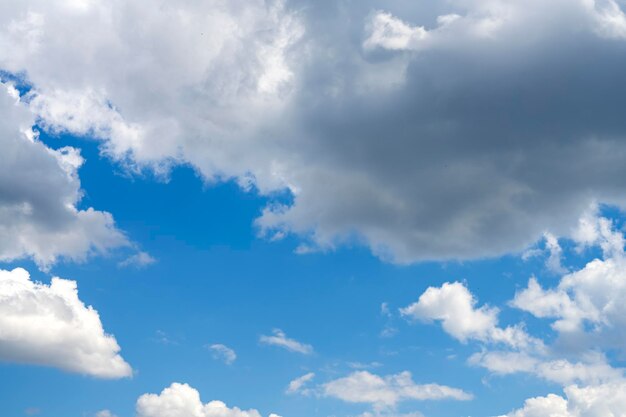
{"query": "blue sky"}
[(298, 209)]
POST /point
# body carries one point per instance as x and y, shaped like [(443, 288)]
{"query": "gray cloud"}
[(39, 195), (501, 121)]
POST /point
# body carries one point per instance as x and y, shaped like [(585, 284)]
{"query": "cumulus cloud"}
[(181, 400), (596, 401), (39, 195), (512, 350), (437, 132), (454, 305), (49, 325), (280, 339), (223, 353), (588, 305), (386, 392)]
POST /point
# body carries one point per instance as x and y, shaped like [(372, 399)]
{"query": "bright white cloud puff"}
[(181, 400), (49, 325)]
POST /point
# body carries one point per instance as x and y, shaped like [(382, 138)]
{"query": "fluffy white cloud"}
[(39, 194), (388, 391), (49, 325), (595, 401), (454, 305), (223, 353), (280, 339), (589, 305), (181, 400), (427, 135)]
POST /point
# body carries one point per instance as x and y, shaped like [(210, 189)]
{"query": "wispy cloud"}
[(280, 339), (223, 353), (139, 260)]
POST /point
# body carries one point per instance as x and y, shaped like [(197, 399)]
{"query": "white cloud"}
[(591, 369), (454, 306), (594, 401), (555, 254), (388, 391), (49, 325), (139, 260), (39, 195), (280, 339), (105, 413), (589, 305), (181, 400), (297, 385), (389, 32), (223, 353)]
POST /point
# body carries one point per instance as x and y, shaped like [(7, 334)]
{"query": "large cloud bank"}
[(458, 130)]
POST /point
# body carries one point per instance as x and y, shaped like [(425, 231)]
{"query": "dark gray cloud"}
[(429, 130)]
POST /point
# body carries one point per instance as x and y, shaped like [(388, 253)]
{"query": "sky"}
[(295, 208)]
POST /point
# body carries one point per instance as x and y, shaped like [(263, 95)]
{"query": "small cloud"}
[(223, 353), (105, 413), (32, 411), (139, 260), (298, 385), (164, 338), (280, 339), (360, 365), (384, 310)]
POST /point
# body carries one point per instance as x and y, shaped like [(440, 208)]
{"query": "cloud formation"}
[(454, 306), (39, 195), (223, 353), (298, 385), (596, 401), (49, 325), (181, 400), (433, 132), (280, 339), (386, 392)]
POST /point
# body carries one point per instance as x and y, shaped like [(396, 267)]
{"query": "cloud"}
[(386, 392), (438, 132), (105, 413), (297, 385), (181, 400), (49, 325), (454, 306), (596, 401), (588, 305), (223, 353), (39, 196), (590, 369), (280, 339), (139, 260)]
